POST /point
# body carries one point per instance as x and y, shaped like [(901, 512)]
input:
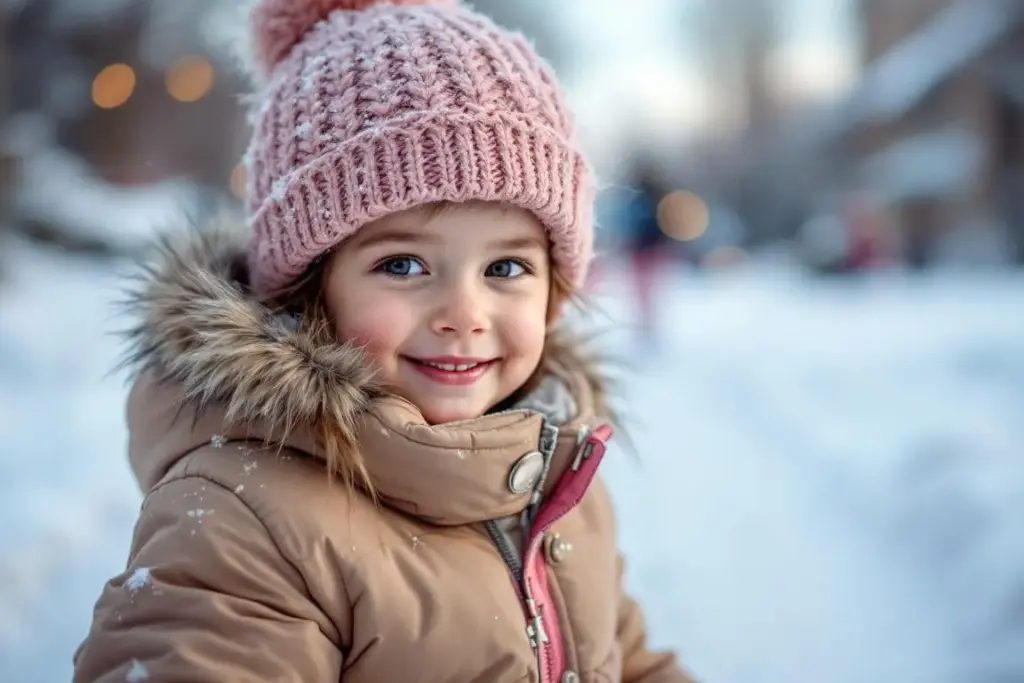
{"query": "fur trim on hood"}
[(196, 324)]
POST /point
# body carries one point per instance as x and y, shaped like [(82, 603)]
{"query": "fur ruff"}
[(196, 324)]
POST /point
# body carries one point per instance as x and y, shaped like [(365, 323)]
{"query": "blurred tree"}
[(765, 174), (6, 161), (735, 39)]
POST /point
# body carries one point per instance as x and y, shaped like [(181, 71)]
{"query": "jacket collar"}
[(213, 364)]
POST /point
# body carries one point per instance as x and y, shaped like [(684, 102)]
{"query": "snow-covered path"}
[(827, 490), (834, 475)]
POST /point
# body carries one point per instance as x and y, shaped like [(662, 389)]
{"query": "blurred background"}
[(811, 233)]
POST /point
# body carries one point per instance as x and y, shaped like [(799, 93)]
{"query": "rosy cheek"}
[(373, 328), (525, 330)]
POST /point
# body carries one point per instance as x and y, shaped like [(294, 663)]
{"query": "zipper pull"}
[(535, 630), (584, 447), (535, 627), (538, 628), (587, 441)]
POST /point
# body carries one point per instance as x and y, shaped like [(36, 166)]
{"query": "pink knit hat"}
[(367, 108)]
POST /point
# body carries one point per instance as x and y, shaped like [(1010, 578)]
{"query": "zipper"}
[(508, 552), (535, 630), (539, 639), (586, 442), (518, 562)]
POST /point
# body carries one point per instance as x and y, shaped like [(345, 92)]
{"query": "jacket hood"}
[(212, 364)]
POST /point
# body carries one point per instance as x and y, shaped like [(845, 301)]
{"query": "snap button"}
[(558, 548), (526, 472), (570, 676)]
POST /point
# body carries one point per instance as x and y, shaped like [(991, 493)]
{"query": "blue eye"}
[(401, 266), (506, 268)]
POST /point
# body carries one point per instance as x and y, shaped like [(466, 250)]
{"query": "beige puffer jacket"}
[(248, 564)]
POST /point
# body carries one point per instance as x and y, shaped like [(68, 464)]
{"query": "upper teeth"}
[(452, 367)]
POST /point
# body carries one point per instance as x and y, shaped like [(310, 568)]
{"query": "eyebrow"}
[(393, 235), (518, 243)]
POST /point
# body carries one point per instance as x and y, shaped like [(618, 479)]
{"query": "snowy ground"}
[(828, 489)]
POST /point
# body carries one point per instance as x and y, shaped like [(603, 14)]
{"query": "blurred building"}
[(6, 165), (117, 105), (935, 130), (130, 86)]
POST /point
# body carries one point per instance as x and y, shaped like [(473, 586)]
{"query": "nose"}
[(462, 310)]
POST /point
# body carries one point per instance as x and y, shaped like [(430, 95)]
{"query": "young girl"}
[(366, 457)]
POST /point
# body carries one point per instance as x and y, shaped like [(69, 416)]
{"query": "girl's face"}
[(450, 303)]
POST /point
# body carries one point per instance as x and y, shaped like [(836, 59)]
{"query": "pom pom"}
[(277, 25)]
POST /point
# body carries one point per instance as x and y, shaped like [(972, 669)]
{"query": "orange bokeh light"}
[(190, 78), (113, 86)]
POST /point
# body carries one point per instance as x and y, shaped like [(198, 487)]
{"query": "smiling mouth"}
[(453, 367), (453, 371)]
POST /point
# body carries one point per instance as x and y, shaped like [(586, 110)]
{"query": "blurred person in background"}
[(648, 246), (851, 238), (864, 226), (367, 455)]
